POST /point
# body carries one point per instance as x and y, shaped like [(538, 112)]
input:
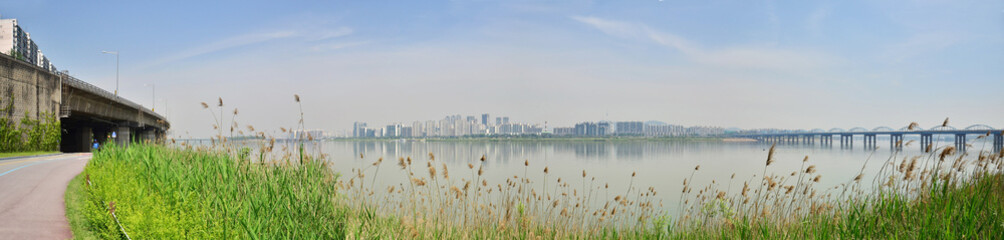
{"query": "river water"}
[(659, 164)]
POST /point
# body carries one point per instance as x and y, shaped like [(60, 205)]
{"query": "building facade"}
[(16, 42)]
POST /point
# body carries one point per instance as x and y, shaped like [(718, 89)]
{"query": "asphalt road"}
[(31, 195)]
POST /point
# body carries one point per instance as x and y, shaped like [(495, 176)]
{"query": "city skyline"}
[(794, 66)]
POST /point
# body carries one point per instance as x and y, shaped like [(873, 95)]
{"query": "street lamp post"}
[(116, 70), (154, 93)]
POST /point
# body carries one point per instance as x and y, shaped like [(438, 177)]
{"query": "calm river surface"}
[(659, 164)]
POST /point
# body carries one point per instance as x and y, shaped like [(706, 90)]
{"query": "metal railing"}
[(82, 85)]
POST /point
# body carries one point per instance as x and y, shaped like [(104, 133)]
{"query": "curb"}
[(31, 156)]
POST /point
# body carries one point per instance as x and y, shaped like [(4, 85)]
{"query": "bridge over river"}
[(869, 136), (85, 112)]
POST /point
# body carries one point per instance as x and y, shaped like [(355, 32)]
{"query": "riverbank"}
[(543, 139), (202, 193)]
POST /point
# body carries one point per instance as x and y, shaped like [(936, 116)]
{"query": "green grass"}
[(162, 193), (21, 154), (75, 202), (172, 193)]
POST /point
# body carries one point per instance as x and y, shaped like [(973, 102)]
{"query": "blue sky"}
[(750, 64)]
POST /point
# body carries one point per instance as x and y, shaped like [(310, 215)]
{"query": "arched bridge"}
[(895, 136), (85, 112)]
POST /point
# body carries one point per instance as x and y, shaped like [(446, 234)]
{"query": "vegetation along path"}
[(31, 195)]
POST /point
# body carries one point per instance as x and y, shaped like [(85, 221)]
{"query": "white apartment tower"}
[(16, 42)]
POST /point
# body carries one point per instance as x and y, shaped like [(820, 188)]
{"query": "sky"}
[(746, 64)]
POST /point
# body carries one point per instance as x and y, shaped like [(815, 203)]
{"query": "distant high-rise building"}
[(484, 119), (592, 129), (564, 131), (417, 130), (603, 129), (359, 129), (630, 128), (392, 130), (498, 121), (472, 119), (407, 132), (310, 134), (505, 120)]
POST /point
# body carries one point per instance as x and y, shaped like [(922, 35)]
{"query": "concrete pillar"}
[(123, 133), (925, 140), (998, 142), (896, 141), (960, 142), (83, 139), (847, 141), (148, 136)]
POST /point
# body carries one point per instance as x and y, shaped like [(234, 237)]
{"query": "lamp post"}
[(116, 70), (154, 93)]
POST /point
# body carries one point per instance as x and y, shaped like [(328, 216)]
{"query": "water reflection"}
[(659, 164)]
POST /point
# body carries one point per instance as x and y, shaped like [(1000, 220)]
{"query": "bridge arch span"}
[(883, 128), (980, 127), (858, 129), (837, 130), (817, 130), (941, 128), (915, 128)]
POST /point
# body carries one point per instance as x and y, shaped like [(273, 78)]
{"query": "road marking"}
[(37, 162), (29, 160)]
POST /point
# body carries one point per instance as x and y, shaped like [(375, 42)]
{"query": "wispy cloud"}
[(257, 38), (733, 57), (224, 44), (919, 44), (814, 22), (329, 34), (336, 46)]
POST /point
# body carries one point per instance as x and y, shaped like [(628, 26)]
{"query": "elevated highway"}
[(86, 113)]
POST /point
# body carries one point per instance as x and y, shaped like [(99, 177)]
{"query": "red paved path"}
[(31, 195)]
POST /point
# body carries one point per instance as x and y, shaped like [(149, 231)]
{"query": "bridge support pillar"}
[(148, 136), (960, 142), (123, 135), (847, 141), (926, 142), (896, 142), (998, 142), (869, 141)]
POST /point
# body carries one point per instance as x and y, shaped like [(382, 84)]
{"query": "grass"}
[(75, 199), (22, 154), (941, 194), (966, 211), (163, 193)]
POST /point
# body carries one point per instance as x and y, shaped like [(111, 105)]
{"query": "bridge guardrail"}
[(80, 84)]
